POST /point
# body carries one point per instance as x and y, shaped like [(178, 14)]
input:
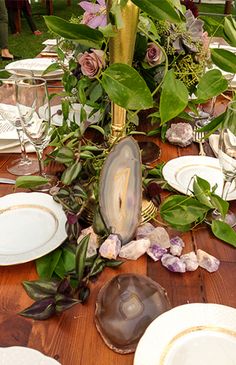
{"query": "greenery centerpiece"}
[(105, 88)]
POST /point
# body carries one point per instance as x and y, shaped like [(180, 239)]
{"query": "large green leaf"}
[(126, 87), (174, 97), (79, 32), (159, 9), (211, 84), (224, 59), (180, 210)]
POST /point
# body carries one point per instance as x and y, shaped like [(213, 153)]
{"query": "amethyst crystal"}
[(143, 230), (110, 248), (207, 261), (134, 249), (176, 246), (93, 241), (190, 261), (156, 252), (180, 134), (173, 263)]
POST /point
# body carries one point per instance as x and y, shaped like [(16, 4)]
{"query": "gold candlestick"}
[(121, 49)]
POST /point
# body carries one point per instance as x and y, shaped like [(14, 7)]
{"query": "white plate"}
[(31, 225), (17, 355), (36, 65), (191, 334), (50, 42), (179, 172)]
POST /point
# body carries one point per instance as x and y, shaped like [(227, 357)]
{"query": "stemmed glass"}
[(227, 157), (33, 104), (9, 112)]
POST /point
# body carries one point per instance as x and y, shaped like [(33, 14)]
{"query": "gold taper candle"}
[(121, 49)]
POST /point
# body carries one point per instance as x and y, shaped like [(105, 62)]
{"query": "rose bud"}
[(154, 55), (91, 62)]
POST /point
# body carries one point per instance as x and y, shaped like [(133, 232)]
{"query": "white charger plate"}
[(179, 172), (17, 355), (190, 334), (31, 225), (36, 65)]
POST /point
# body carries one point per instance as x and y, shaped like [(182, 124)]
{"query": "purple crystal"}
[(207, 261), (156, 252), (110, 248), (176, 246), (180, 134), (190, 260), (134, 249), (173, 263), (143, 230)]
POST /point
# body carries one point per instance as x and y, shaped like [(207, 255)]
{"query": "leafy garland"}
[(66, 273)]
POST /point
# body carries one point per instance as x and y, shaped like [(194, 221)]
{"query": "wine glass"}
[(33, 104), (10, 114), (227, 158)]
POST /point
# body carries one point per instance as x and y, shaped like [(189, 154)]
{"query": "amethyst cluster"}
[(156, 243)]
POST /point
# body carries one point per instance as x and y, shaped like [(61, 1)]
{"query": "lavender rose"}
[(154, 55), (91, 62)]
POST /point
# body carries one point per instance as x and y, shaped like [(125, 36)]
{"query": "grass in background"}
[(26, 44)]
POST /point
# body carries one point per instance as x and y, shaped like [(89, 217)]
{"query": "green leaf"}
[(53, 67), (80, 257), (224, 232), (29, 182), (45, 265), (126, 87), (201, 189), (98, 128), (174, 97), (181, 210), (65, 155), (220, 204), (68, 259), (213, 125), (159, 9), (79, 32), (71, 173), (211, 84), (224, 59), (230, 31)]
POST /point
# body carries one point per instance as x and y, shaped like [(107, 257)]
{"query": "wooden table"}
[(72, 338)]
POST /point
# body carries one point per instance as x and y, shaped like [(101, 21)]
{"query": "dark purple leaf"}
[(42, 309), (40, 289), (63, 302)]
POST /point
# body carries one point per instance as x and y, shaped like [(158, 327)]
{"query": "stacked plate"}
[(34, 67)]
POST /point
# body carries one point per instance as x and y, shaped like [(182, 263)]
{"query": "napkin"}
[(14, 147), (214, 142)]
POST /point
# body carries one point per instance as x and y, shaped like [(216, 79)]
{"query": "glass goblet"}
[(227, 158), (33, 104), (9, 113)]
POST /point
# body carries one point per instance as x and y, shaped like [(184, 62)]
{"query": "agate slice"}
[(120, 190), (125, 306)]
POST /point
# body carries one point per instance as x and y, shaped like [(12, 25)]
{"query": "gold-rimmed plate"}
[(31, 225), (179, 173), (191, 334)]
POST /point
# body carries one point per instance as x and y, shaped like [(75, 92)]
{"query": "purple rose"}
[(154, 55), (91, 62)]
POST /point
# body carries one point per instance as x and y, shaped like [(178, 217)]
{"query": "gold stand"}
[(121, 49)]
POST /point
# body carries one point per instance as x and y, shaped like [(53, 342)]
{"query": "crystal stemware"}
[(10, 114), (34, 109), (227, 158)]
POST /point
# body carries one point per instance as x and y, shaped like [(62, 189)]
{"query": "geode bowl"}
[(125, 306)]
